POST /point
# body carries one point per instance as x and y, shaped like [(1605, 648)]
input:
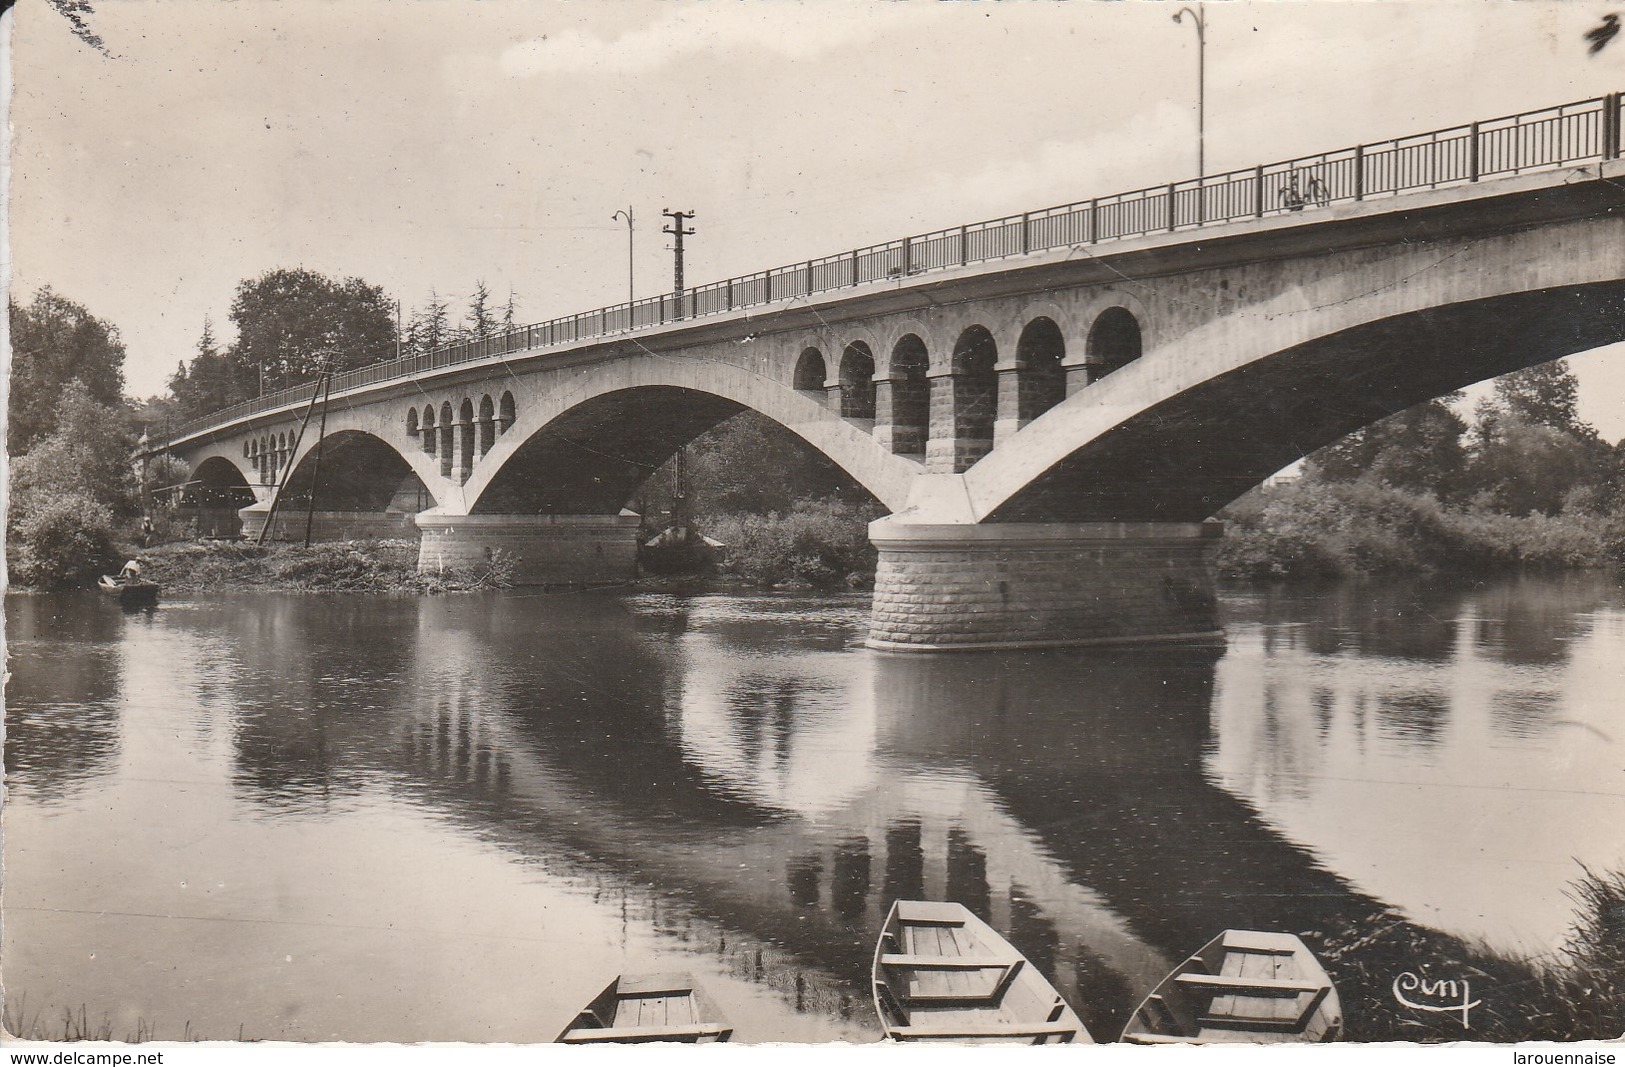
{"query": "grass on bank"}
[(71, 1026), (1578, 994), (330, 567)]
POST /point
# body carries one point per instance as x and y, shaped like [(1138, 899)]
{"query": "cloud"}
[(796, 31)]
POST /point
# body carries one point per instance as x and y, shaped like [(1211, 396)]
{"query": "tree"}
[(55, 341), (69, 491), (290, 320), (1546, 394), (1520, 468), (429, 328), (480, 322), (508, 320), (1532, 453), (1419, 449), (215, 379)]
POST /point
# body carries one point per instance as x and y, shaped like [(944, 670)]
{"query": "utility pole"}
[(677, 231)]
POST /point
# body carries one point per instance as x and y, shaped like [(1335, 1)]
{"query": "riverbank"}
[(330, 567), (1576, 994)]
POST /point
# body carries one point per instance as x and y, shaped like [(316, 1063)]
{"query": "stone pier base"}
[(546, 549), (1036, 585)]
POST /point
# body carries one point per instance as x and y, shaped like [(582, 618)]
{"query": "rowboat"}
[(662, 1007), (129, 592), (1244, 985), (942, 974)]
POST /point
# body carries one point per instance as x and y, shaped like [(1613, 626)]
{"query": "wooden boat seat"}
[(1251, 1024), (946, 963), (929, 912), (1012, 1030), (943, 992), (1227, 984), (644, 1033), (1142, 1037)]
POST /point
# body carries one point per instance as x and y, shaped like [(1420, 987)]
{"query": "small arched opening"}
[(975, 398), (1114, 342), (488, 425), (810, 371), (412, 422), (429, 434), (465, 440), (506, 412), (447, 440), (909, 398), (1040, 379), (857, 382)]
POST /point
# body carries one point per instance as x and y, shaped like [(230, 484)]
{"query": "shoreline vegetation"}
[(388, 566)]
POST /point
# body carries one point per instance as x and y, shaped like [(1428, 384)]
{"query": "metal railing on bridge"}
[(1581, 132)]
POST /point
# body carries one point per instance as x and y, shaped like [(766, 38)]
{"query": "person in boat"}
[(130, 574)]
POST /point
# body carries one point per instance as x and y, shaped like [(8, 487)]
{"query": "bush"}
[(822, 543), (1312, 529), (62, 539)]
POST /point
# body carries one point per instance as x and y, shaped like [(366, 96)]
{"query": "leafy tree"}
[(55, 341), (1419, 449), (1532, 453), (1520, 468), (290, 320), (1546, 394), (69, 491)]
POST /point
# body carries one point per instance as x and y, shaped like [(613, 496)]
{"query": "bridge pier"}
[(545, 549), (1036, 585)]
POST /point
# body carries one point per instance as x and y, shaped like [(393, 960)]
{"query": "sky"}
[(432, 144)]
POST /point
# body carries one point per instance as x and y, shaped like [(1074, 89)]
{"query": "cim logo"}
[(1444, 995)]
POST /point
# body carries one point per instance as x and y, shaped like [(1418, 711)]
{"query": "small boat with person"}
[(1243, 986), (664, 1007), (942, 974), (128, 585)]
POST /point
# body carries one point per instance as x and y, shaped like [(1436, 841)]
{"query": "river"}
[(457, 818)]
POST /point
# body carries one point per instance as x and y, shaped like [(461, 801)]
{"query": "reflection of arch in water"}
[(1101, 757)]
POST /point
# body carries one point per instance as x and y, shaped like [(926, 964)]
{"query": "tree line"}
[(76, 495), (1525, 482), (291, 323)]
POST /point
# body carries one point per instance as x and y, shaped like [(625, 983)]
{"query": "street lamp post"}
[(629, 286), (1201, 85)]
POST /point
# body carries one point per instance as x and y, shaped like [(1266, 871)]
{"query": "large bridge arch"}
[(586, 451), (217, 481), (1202, 418), (350, 470)]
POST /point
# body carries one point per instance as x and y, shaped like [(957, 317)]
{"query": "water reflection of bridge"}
[(733, 776), (789, 799)]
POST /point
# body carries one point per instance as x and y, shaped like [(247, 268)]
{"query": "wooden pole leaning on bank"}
[(323, 381)]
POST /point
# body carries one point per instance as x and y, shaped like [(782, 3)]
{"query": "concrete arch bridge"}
[(1049, 406)]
